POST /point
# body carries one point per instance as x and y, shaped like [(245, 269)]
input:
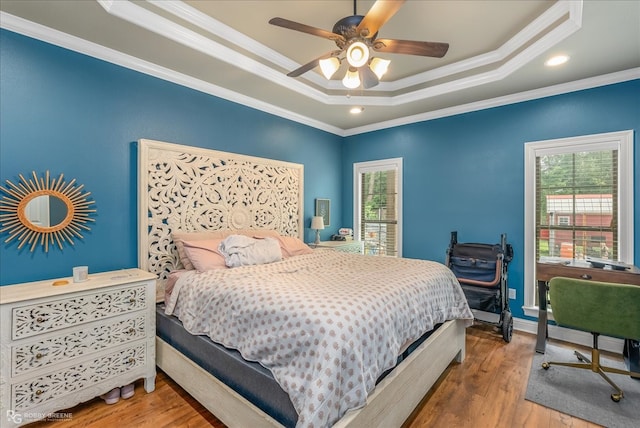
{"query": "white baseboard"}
[(605, 343)]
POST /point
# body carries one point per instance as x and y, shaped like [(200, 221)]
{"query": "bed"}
[(217, 196)]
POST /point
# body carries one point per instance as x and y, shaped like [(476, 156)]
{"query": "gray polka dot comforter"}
[(326, 324)]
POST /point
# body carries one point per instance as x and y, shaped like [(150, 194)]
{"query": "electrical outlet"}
[(512, 293)]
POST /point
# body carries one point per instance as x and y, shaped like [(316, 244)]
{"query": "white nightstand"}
[(344, 246), (61, 345)]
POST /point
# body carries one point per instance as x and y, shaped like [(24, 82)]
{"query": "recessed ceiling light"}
[(356, 110), (556, 60)]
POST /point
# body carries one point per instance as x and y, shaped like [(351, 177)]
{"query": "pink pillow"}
[(204, 254), (292, 246), (180, 237)]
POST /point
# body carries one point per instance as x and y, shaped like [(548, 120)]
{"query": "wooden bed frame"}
[(178, 187)]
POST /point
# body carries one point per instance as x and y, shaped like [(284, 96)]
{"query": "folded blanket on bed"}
[(241, 250)]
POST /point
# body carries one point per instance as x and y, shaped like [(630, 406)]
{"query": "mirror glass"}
[(46, 211)]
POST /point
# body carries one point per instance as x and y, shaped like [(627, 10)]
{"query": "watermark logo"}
[(14, 417), (17, 418)]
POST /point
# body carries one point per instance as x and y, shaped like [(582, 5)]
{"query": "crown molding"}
[(39, 32), (568, 27), (220, 29), (145, 18), (155, 23), (564, 88), (48, 35), (573, 21)]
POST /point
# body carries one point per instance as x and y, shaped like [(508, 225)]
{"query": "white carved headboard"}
[(190, 189)]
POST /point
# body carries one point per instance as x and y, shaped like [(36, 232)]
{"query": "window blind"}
[(577, 205), (379, 212)]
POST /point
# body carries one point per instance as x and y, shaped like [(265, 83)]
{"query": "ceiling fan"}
[(355, 36)]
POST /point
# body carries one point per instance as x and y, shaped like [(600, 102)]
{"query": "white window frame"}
[(621, 141), (360, 168)]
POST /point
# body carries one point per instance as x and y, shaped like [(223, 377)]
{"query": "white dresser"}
[(344, 246), (61, 345)]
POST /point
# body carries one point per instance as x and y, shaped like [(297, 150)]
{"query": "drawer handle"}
[(132, 360), (39, 319), (132, 330), (39, 392), (132, 300), (586, 276), (39, 355)]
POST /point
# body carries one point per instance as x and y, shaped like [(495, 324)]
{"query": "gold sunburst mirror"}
[(44, 211)]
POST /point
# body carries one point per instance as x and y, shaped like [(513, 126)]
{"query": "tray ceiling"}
[(228, 49)]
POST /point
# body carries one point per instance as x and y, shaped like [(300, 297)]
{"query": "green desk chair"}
[(599, 308)]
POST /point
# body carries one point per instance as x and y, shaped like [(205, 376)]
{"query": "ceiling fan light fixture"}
[(357, 54), (355, 36), (379, 66), (329, 66), (351, 79)]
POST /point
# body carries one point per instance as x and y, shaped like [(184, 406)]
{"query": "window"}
[(578, 202), (378, 206), (576, 193)]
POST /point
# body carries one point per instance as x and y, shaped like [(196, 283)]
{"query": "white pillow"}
[(241, 250)]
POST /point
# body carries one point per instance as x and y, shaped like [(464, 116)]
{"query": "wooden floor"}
[(486, 390)]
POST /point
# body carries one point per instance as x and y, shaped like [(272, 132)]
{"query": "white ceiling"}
[(228, 49)]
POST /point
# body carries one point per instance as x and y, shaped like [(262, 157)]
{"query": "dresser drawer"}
[(54, 315), (40, 390), (74, 344)]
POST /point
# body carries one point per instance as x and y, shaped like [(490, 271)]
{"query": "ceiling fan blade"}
[(292, 25), (312, 64), (368, 77), (380, 12), (410, 47)]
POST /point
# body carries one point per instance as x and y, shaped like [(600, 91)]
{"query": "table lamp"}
[(317, 224)]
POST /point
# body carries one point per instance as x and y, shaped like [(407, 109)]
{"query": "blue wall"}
[(69, 113), (466, 172), (65, 112)]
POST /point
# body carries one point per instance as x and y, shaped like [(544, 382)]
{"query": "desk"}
[(546, 271)]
